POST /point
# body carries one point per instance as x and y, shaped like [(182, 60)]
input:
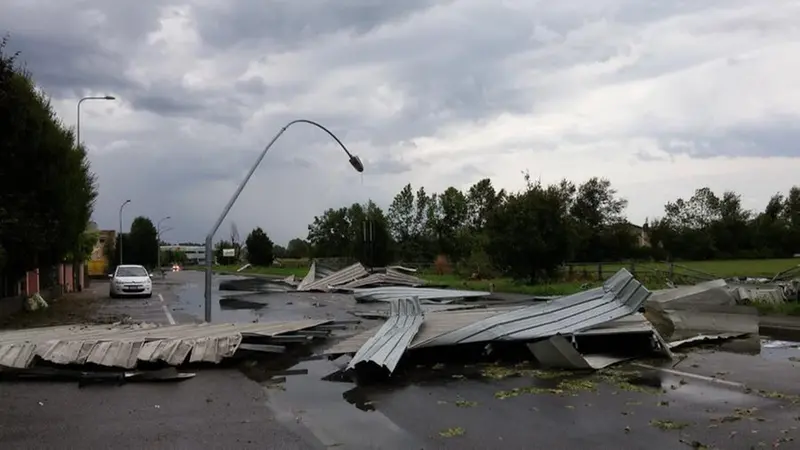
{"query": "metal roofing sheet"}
[(346, 275), (390, 293), (620, 295), (392, 339), (391, 277), (310, 277), (434, 325), (635, 323), (124, 345)]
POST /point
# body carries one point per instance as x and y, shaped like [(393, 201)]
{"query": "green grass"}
[(719, 269), (577, 277), (507, 285)]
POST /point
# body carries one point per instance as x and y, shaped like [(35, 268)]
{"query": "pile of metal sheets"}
[(124, 346)]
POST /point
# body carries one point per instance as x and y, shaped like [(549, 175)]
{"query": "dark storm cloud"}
[(286, 24), (74, 47), (70, 66)]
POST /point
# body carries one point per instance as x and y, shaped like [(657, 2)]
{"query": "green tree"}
[(298, 248), (599, 226), (259, 248), (360, 232), (173, 257), (141, 246), (527, 238), (227, 260), (279, 251), (42, 219)]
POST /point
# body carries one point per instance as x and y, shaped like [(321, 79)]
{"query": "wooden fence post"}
[(600, 271)]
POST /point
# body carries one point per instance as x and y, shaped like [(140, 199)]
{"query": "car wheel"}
[(150, 295), (112, 295)]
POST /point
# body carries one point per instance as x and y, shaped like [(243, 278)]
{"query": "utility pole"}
[(120, 229)]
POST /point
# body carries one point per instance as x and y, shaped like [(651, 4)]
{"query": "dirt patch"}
[(72, 308)]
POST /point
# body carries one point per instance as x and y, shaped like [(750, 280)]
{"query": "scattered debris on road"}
[(546, 326), (85, 378)]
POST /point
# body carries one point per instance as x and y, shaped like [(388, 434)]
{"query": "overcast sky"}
[(659, 96)]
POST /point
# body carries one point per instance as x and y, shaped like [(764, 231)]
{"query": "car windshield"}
[(131, 272)]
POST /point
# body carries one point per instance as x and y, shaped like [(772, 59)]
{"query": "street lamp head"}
[(355, 161), (109, 97)]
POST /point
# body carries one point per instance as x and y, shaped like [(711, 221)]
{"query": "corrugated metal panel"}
[(391, 277), (621, 295), (310, 277), (343, 276), (434, 325), (123, 346), (391, 293), (387, 346), (635, 323)]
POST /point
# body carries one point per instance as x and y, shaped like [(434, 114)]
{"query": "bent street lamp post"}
[(355, 161), (158, 241), (78, 125), (120, 229)]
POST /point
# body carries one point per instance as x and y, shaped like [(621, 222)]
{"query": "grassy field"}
[(717, 269), (576, 276)]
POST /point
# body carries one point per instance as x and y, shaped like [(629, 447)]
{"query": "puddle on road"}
[(775, 350)]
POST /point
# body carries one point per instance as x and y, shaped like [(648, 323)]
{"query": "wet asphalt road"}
[(718, 399)]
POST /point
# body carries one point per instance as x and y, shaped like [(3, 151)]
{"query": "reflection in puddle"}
[(780, 350)]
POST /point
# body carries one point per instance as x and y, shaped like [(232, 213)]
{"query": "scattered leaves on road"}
[(452, 432), (668, 425), (461, 403)]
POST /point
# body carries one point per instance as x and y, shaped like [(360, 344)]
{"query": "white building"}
[(194, 254)]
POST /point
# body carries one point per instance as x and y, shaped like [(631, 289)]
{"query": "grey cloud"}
[(76, 49), (452, 71), (778, 138), (287, 24), (70, 66), (387, 167)]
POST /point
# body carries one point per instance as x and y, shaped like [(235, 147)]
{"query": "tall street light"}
[(355, 161), (78, 127), (158, 240), (120, 229)]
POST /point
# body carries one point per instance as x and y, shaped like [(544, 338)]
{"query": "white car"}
[(130, 280)]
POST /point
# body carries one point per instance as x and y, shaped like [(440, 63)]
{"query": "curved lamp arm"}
[(355, 161)]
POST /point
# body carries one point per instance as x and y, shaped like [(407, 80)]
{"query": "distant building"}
[(195, 254), (642, 238), (98, 263)]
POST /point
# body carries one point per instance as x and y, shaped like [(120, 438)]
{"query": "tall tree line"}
[(531, 233), (47, 191)]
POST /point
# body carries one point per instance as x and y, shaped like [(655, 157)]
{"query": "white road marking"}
[(166, 311), (169, 315), (694, 375)]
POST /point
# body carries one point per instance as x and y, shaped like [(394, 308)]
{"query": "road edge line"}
[(695, 376), (170, 319)]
